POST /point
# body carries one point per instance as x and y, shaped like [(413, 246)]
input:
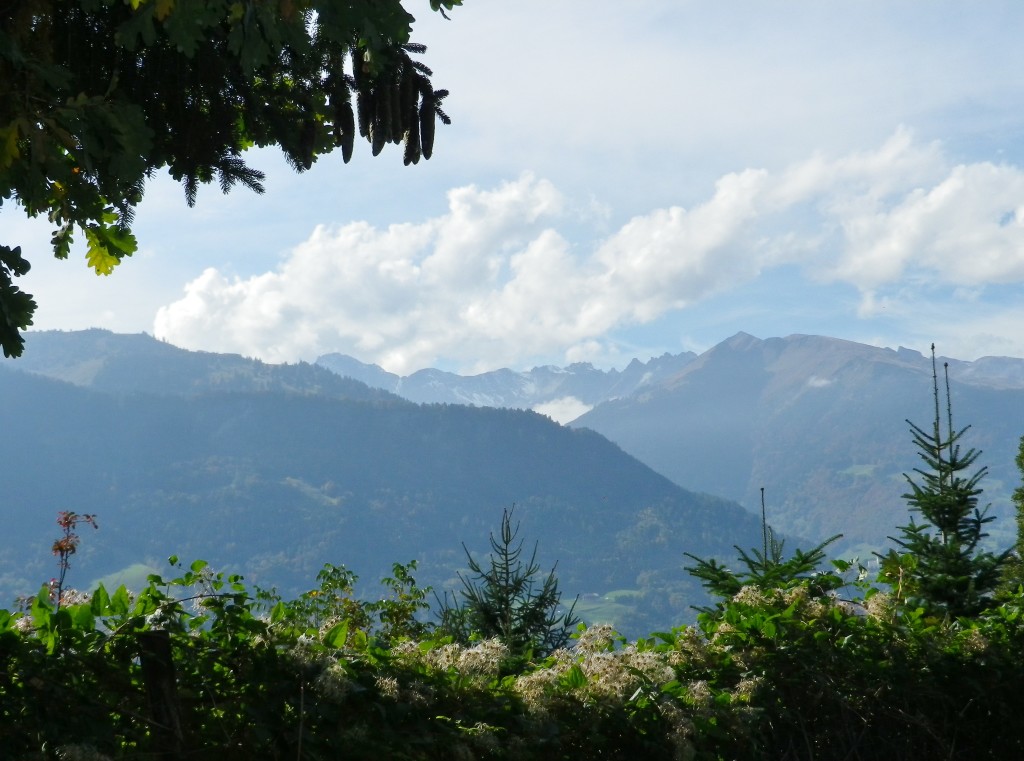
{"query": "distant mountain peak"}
[(742, 341), (139, 363)]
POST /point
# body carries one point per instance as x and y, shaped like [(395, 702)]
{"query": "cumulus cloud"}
[(493, 282)]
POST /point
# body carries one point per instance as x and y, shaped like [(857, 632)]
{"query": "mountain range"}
[(272, 471), (820, 423), (547, 389)]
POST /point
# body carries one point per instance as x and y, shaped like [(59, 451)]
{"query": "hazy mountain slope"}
[(507, 388), (276, 484), (116, 362), (820, 423)]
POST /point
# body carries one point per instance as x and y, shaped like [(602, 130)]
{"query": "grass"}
[(610, 608)]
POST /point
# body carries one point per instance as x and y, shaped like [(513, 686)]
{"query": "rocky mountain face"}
[(532, 389), (821, 424)]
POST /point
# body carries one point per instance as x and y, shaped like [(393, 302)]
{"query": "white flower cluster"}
[(444, 657), (70, 597), (880, 606), (754, 596), (610, 674), (596, 639), (682, 731), (484, 658), (387, 685), (24, 625), (797, 594), (701, 695), (620, 673), (418, 693), (974, 641), (305, 653), (593, 672), (407, 651), (334, 683), (534, 686), (161, 618)]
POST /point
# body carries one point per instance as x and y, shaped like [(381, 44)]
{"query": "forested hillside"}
[(821, 425), (114, 362), (819, 422), (276, 483)]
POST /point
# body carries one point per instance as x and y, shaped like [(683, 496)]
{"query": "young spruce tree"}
[(509, 601), (1013, 571), (765, 569), (948, 574)]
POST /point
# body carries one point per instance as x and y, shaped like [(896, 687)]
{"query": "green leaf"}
[(139, 28), (81, 617), (16, 306), (336, 636), (100, 601), (120, 602), (359, 640), (42, 608), (278, 613), (98, 255), (61, 241), (574, 678)]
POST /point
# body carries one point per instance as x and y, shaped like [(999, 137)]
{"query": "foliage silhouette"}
[(99, 95)]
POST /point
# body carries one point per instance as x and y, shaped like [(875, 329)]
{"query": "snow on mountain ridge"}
[(558, 391), (554, 391)]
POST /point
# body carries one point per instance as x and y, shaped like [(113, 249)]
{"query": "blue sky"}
[(621, 179)]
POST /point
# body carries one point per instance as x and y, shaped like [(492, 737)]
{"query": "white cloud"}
[(651, 94), (492, 282), (967, 229), (984, 330), (563, 410)]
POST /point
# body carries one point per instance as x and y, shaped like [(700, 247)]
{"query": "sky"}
[(621, 179)]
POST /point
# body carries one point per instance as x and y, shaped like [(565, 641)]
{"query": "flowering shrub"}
[(795, 671)]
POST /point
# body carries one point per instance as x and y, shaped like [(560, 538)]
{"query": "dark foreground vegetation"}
[(796, 658), (200, 667)]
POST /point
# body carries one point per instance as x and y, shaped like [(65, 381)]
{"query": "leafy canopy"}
[(97, 95)]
